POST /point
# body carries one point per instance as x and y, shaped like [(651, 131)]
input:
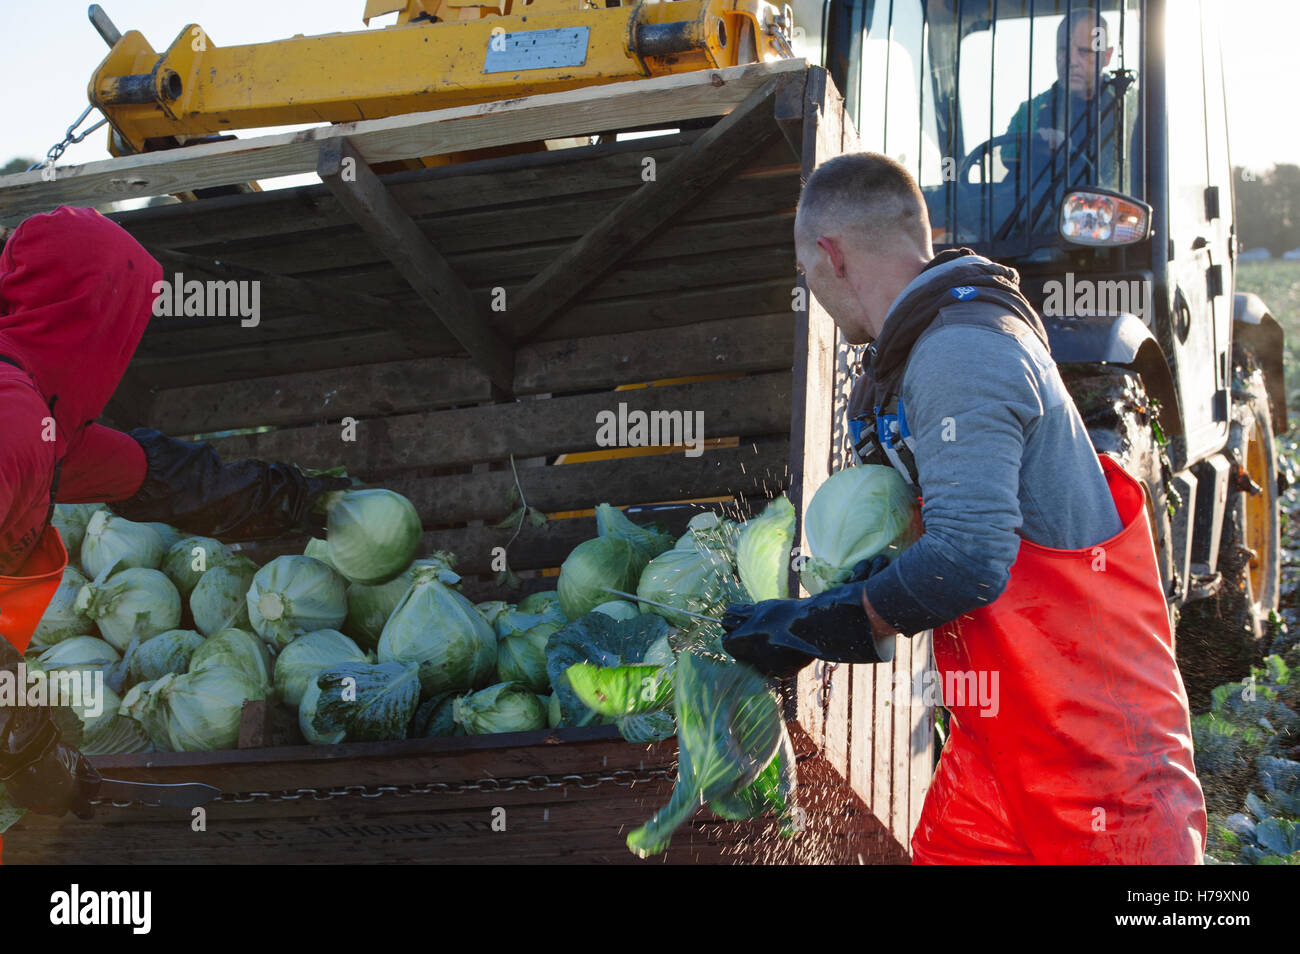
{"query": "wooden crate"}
[(377, 315)]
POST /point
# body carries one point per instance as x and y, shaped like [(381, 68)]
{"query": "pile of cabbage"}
[(358, 640)]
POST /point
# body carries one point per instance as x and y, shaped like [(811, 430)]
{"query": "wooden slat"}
[(726, 147), (752, 469), (760, 343), (667, 99), (279, 291), (558, 221), (527, 428), (810, 427), (160, 366), (478, 185), (922, 740), (869, 694), (392, 231), (899, 820), (480, 188)]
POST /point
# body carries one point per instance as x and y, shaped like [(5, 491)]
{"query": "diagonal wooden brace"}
[(396, 235)]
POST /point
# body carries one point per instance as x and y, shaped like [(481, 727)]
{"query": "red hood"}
[(76, 292)]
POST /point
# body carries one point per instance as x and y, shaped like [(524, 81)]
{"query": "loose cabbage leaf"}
[(621, 690), (601, 641), (368, 702), (728, 731)]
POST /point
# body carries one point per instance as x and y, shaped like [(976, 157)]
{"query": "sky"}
[(49, 51)]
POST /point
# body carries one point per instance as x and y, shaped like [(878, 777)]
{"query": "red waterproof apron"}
[(23, 599), (1070, 737)]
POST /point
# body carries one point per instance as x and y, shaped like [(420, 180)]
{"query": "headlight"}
[(1094, 217)]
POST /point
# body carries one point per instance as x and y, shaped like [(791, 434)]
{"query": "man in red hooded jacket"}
[(76, 292)]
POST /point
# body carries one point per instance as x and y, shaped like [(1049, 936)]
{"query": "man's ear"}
[(834, 254)]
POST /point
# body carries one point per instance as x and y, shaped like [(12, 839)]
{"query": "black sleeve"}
[(188, 486)]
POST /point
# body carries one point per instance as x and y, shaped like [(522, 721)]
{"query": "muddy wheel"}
[(1118, 415), (1221, 637)]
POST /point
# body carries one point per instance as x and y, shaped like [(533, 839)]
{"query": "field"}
[(1246, 746)]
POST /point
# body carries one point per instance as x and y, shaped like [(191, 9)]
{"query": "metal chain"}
[(71, 137), (625, 778)]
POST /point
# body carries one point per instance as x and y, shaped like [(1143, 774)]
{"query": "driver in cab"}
[(1083, 52)]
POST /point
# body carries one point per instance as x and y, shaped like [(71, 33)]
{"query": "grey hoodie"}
[(1000, 448)]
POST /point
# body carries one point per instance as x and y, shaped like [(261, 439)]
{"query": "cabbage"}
[(61, 618), (492, 609), (238, 649), (79, 654), (699, 580), (307, 719), (110, 733), (368, 702), (293, 595), (440, 630), (592, 568), (540, 602), (554, 714), (169, 535), (71, 520), (117, 543), (193, 712), (188, 559), (618, 609), (611, 522), (167, 652), (505, 707), (373, 534), (521, 654), (708, 531), (764, 549), (307, 657), (319, 549), (219, 600), (856, 514), (370, 606), (434, 718), (131, 604)]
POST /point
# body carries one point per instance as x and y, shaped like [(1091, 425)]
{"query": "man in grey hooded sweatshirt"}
[(1036, 560)]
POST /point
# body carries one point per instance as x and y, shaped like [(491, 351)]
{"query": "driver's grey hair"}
[(865, 196), (1070, 23)]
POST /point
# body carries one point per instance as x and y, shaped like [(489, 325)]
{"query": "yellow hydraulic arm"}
[(440, 53)]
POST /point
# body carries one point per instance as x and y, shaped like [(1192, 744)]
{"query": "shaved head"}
[(867, 198), (861, 234)]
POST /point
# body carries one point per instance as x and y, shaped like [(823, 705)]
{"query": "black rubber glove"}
[(39, 772), (780, 637), (189, 487)]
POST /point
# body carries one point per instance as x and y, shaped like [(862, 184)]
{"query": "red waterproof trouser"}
[(1070, 737), (23, 599)]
